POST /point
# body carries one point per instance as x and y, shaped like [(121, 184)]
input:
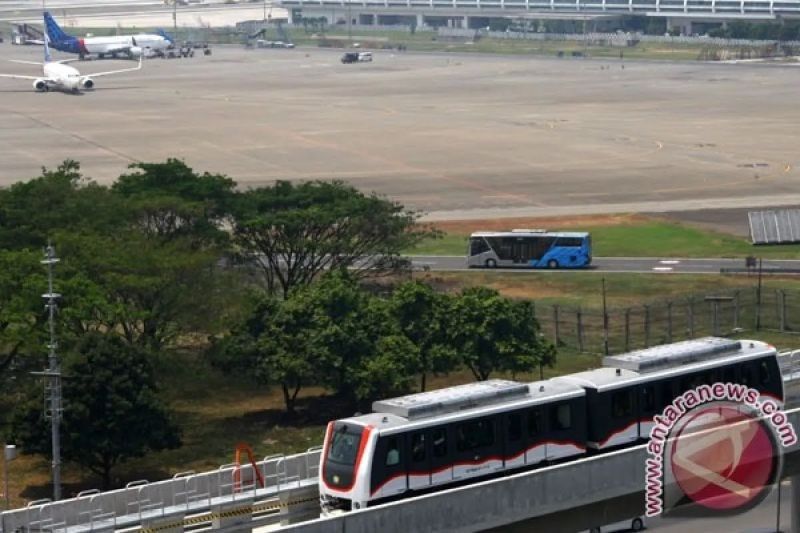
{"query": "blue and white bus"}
[(529, 248)]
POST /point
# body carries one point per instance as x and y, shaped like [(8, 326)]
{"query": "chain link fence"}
[(623, 329)]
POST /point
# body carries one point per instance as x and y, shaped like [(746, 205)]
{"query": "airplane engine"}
[(40, 85), (136, 51), (87, 83)]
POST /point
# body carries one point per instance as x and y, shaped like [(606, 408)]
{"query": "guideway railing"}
[(187, 493)]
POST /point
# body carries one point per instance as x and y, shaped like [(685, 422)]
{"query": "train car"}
[(422, 442), (426, 440)]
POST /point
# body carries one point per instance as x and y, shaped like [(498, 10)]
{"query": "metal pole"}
[(758, 298), (605, 320), (669, 321), (795, 525), (53, 373), (579, 325), (175, 18), (555, 323), (646, 326), (5, 479)]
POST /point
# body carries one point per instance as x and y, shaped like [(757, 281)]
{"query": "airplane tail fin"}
[(166, 36), (47, 57), (54, 31)]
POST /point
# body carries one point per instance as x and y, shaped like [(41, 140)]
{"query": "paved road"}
[(624, 264)]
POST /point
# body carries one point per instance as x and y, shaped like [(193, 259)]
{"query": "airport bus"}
[(529, 248)]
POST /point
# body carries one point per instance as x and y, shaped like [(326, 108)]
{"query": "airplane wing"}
[(110, 72), (19, 77), (117, 49)]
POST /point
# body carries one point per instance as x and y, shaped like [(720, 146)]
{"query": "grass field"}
[(629, 237)]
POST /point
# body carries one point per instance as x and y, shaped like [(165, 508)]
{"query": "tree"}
[(298, 231), (112, 409), (492, 333), (422, 315), (169, 200)]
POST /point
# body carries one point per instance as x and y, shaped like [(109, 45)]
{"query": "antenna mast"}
[(52, 389)]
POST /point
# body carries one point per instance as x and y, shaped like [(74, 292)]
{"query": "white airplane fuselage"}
[(62, 77), (143, 43)]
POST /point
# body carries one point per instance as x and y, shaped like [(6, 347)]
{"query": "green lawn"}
[(653, 238)]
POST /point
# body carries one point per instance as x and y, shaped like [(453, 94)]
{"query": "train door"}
[(648, 406), (514, 443), (419, 465), (478, 450), (561, 435), (537, 436), (624, 422), (441, 456), (389, 467)]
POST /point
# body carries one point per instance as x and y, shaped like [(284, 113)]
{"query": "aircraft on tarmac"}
[(62, 77), (131, 46)]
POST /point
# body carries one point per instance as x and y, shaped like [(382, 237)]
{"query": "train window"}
[(747, 375), (418, 447), (477, 434), (667, 394), (439, 442), (648, 398), (763, 373), (393, 452), (621, 404), (562, 416), (729, 374), (514, 426), (534, 422)]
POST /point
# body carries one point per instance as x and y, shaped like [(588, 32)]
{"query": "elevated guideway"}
[(566, 497)]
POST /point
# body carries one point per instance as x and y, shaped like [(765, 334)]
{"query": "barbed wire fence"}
[(619, 330)]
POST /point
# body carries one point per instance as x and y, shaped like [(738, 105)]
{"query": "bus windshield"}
[(529, 249)]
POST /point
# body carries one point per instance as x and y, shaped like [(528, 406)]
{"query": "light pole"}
[(9, 454)]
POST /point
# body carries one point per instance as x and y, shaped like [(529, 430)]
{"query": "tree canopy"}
[(112, 410)]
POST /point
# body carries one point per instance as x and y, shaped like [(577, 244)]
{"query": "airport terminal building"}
[(680, 14)]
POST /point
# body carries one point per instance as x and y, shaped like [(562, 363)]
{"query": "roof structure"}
[(673, 355)]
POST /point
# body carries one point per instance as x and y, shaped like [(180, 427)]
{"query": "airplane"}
[(132, 46), (59, 76)]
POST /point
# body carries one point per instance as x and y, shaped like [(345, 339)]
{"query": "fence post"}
[(627, 329), (782, 303), (736, 310), (669, 321), (555, 321), (579, 325), (690, 317), (646, 326)]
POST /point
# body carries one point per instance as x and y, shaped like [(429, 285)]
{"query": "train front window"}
[(344, 446)]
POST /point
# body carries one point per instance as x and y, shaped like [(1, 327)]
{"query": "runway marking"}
[(662, 269), (77, 137), (669, 262)]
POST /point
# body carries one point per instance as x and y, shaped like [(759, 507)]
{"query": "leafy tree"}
[(112, 409), (492, 333), (169, 200), (21, 285), (59, 200), (299, 231), (422, 314)]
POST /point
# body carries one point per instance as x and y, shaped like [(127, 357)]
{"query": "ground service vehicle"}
[(356, 57), (424, 442), (529, 248)]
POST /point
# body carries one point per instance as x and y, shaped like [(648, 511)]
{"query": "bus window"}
[(478, 245), (571, 242)]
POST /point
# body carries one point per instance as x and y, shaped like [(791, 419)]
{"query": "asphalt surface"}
[(457, 136), (622, 265)]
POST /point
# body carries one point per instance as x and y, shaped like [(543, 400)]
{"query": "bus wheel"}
[(552, 264), (491, 263)]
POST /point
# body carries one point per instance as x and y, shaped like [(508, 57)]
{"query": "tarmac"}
[(456, 136)]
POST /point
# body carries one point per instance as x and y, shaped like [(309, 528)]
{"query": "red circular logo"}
[(723, 457)]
